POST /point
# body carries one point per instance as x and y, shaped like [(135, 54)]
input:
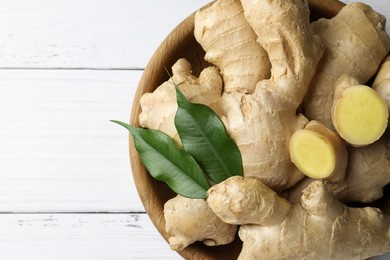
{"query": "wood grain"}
[(107, 34), (58, 153), (81, 237), (85, 34), (84, 236), (58, 150)]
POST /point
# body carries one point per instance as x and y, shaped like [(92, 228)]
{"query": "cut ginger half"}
[(360, 115), (312, 153)]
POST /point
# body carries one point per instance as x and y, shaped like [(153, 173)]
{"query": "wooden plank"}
[(84, 236), (81, 237), (73, 34), (58, 150), (107, 34)]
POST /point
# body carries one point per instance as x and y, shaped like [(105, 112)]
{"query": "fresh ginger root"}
[(159, 108), (230, 44), (237, 201), (320, 227), (382, 82), (260, 123), (359, 113), (367, 173), (355, 43), (259, 112), (368, 168), (190, 220), (319, 152)]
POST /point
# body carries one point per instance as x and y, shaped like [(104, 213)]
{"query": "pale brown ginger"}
[(190, 220), (382, 82), (355, 44), (159, 108), (230, 44), (267, 57), (320, 227), (260, 123)]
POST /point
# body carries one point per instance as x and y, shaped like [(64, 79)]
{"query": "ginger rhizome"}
[(265, 57), (355, 43), (368, 170), (293, 52), (239, 201), (159, 108), (367, 173), (230, 44), (320, 227), (382, 82), (190, 220)]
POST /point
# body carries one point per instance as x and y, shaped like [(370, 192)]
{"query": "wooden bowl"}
[(180, 43)]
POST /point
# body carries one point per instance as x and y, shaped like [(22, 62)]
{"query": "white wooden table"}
[(66, 69)]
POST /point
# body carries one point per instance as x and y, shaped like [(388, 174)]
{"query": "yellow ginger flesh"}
[(312, 154), (355, 43), (319, 152), (368, 172), (360, 115)]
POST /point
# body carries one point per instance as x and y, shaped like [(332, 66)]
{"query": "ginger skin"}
[(159, 108), (368, 172), (262, 117), (245, 203), (355, 43), (190, 220), (320, 227), (267, 117), (262, 123), (368, 169), (382, 82), (230, 44)]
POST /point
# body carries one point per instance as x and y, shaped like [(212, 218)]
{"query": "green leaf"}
[(167, 163), (203, 136)]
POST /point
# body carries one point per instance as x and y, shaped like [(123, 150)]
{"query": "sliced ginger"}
[(360, 115), (355, 43), (318, 152), (312, 154)]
